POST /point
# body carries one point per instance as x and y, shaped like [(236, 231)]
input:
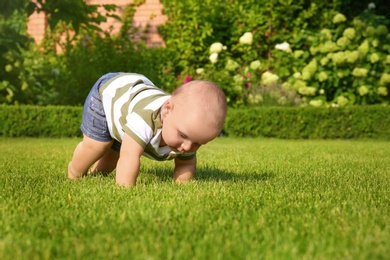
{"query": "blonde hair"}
[(205, 95)]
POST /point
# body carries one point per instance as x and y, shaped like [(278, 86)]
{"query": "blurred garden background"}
[(262, 53)]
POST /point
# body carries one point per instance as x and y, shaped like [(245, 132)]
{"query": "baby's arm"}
[(129, 161), (184, 169)]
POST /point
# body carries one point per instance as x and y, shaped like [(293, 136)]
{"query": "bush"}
[(256, 44), (29, 73), (92, 56), (64, 68), (193, 27), (20, 68), (344, 63), (276, 122), (37, 121), (310, 122)]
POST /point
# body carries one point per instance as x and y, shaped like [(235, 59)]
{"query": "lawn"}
[(251, 199)]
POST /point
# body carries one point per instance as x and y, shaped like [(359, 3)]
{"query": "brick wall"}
[(36, 26), (147, 18)]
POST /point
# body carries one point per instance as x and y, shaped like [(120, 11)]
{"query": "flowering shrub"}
[(198, 31), (247, 38), (311, 50), (245, 80), (346, 63)]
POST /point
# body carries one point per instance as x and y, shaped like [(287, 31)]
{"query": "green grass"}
[(252, 198)]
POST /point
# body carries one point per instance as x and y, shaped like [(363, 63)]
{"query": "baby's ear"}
[(167, 107)]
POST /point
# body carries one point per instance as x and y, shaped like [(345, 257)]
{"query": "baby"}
[(125, 116)]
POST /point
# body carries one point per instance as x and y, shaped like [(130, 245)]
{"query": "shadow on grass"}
[(203, 173), (211, 174), (208, 173)]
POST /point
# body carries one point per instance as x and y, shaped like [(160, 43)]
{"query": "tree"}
[(21, 65), (75, 12)]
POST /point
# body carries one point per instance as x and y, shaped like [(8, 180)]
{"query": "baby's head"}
[(193, 116)]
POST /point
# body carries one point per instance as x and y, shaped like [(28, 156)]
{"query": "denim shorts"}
[(94, 122)]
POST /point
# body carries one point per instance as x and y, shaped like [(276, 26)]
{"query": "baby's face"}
[(185, 130)]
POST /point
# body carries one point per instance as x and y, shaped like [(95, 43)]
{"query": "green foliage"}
[(74, 12), (13, 41), (244, 78), (8, 8), (251, 199), (193, 27), (28, 75), (259, 52), (347, 62), (189, 26), (352, 8), (287, 38), (29, 78), (310, 122), (277, 122), (65, 67), (92, 56), (48, 121)]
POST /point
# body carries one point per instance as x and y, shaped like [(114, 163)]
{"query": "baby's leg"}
[(86, 153), (107, 163)]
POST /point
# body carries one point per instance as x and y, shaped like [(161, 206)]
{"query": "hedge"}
[(277, 122), (38, 121), (311, 122)]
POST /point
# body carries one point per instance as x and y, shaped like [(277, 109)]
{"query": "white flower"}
[(216, 47), (254, 65), (267, 78), (297, 75), (213, 57), (316, 103), (382, 91), (371, 6), (339, 18), (247, 38), (199, 71), (285, 46), (342, 101)]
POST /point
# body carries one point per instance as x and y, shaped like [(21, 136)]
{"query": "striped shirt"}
[(132, 104)]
